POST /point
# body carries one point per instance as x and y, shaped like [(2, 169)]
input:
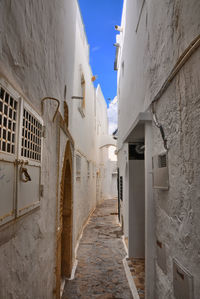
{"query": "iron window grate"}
[(31, 137), (8, 118)]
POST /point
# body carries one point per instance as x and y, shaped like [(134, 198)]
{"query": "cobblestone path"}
[(100, 272)]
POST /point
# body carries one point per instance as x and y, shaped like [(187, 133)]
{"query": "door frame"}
[(65, 194)]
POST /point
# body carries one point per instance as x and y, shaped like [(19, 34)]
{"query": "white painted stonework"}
[(43, 53), (154, 36)]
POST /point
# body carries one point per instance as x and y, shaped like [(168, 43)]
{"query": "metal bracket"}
[(20, 162), (77, 98), (24, 175)]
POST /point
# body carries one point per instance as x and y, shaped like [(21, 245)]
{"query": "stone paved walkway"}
[(100, 272)]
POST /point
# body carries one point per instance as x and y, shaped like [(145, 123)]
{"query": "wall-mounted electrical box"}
[(182, 282), (160, 172)]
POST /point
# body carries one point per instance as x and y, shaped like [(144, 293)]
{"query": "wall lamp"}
[(118, 28)]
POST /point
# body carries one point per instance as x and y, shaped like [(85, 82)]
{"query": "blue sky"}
[(100, 17)]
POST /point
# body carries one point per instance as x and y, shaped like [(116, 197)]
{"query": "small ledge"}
[(82, 112)]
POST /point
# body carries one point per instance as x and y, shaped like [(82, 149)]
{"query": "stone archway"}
[(64, 237)]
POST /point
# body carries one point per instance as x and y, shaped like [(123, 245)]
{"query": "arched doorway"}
[(64, 237)]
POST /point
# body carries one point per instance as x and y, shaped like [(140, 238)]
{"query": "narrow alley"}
[(100, 149), (100, 272)]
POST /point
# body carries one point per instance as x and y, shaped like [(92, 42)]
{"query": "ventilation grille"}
[(8, 118), (31, 137), (162, 161), (160, 172)]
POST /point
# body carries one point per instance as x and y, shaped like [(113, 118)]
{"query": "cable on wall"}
[(50, 98), (160, 127), (193, 46)]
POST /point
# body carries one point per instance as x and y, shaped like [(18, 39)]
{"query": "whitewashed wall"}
[(34, 39), (151, 43), (83, 131)]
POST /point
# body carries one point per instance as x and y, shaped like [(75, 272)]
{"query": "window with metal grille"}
[(8, 119), (20, 154), (31, 137)]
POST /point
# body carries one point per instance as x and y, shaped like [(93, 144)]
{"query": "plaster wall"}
[(34, 38), (107, 167), (87, 130), (109, 187), (154, 36), (132, 73), (86, 122), (177, 210), (101, 113), (44, 50), (164, 31), (83, 131), (102, 134)]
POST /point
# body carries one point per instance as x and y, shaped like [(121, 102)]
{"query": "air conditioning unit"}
[(160, 172)]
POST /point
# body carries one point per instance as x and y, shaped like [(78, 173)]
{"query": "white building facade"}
[(158, 120), (49, 145)]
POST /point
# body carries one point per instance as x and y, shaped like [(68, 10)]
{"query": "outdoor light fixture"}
[(116, 45), (118, 28)]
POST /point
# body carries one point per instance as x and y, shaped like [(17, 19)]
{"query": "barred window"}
[(31, 137), (8, 119), (21, 154)]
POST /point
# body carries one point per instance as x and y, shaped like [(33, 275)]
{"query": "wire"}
[(160, 127), (54, 99), (193, 46)]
